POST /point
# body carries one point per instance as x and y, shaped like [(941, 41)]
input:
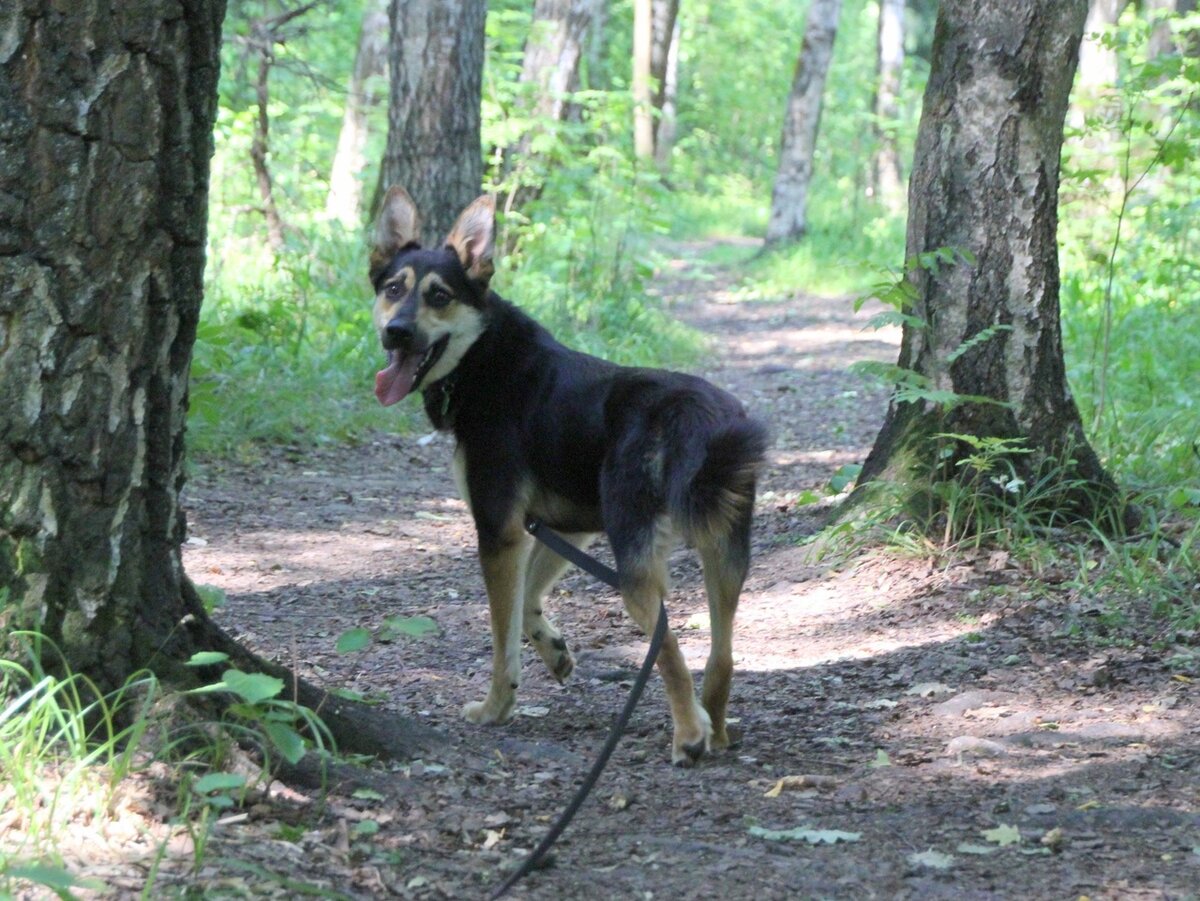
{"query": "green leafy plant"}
[(260, 715)]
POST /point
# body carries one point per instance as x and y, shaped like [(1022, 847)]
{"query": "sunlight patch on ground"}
[(795, 656), (836, 456)]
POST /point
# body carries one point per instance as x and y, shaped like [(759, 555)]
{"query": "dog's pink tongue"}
[(393, 383)]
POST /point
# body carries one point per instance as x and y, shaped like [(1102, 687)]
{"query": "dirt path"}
[(947, 740)]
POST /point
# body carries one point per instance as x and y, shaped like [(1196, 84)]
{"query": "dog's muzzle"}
[(408, 362)]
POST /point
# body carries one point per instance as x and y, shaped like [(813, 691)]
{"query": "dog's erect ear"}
[(399, 223), (472, 238)]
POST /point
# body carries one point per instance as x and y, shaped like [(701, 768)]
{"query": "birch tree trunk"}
[(550, 64), (789, 200), (549, 73), (1097, 63), (985, 182), (436, 68), (105, 144), (888, 175), (643, 101), (344, 201)]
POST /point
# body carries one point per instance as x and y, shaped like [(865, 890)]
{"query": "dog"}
[(646, 456)]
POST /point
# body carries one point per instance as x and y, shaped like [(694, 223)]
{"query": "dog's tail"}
[(715, 489)]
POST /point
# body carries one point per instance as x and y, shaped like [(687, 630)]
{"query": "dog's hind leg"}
[(504, 567), (543, 570), (726, 558), (644, 585)]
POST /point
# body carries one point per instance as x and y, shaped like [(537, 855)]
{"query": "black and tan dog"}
[(646, 456)]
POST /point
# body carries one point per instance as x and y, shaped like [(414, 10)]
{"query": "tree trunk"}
[(985, 182), (663, 16), (433, 145), (665, 127), (550, 64), (260, 148), (643, 102), (1162, 41), (1098, 63), (596, 43), (789, 201), (104, 171), (549, 73), (887, 174), (344, 201)]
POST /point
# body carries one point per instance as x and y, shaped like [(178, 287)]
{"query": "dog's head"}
[(429, 304)]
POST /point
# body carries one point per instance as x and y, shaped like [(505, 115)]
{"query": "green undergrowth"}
[(835, 258), (1135, 584), (81, 767), (285, 352)]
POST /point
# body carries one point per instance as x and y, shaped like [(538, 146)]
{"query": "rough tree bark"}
[(985, 181), (433, 145), (887, 173), (105, 141), (789, 200), (344, 201)]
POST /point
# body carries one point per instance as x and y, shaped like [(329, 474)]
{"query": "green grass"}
[(74, 759), (1148, 429), (64, 748)]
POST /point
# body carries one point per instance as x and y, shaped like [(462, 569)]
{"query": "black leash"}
[(608, 576)]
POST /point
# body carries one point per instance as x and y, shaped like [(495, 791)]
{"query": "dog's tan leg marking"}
[(723, 578), (504, 576), (693, 729), (543, 570)]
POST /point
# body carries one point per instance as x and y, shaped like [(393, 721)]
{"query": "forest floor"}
[(942, 729)]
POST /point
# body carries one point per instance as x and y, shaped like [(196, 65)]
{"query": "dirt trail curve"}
[(948, 742)]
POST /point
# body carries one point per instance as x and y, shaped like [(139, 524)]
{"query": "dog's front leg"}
[(503, 563)]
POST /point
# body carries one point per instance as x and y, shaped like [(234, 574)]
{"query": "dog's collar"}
[(441, 400)]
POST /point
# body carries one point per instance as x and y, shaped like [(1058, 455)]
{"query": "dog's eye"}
[(394, 291), (439, 297)]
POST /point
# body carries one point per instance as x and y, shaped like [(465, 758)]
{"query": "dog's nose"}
[(398, 335)]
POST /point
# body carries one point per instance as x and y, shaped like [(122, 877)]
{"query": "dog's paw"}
[(690, 744), (488, 713), (555, 654), (560, 661), (687, 755)]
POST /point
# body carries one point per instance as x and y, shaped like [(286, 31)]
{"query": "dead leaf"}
[(879, 704), (971, 744), (1053, 839), (618, 801), (805, 834), (934, 860), (1003, 835), (793, 783)]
